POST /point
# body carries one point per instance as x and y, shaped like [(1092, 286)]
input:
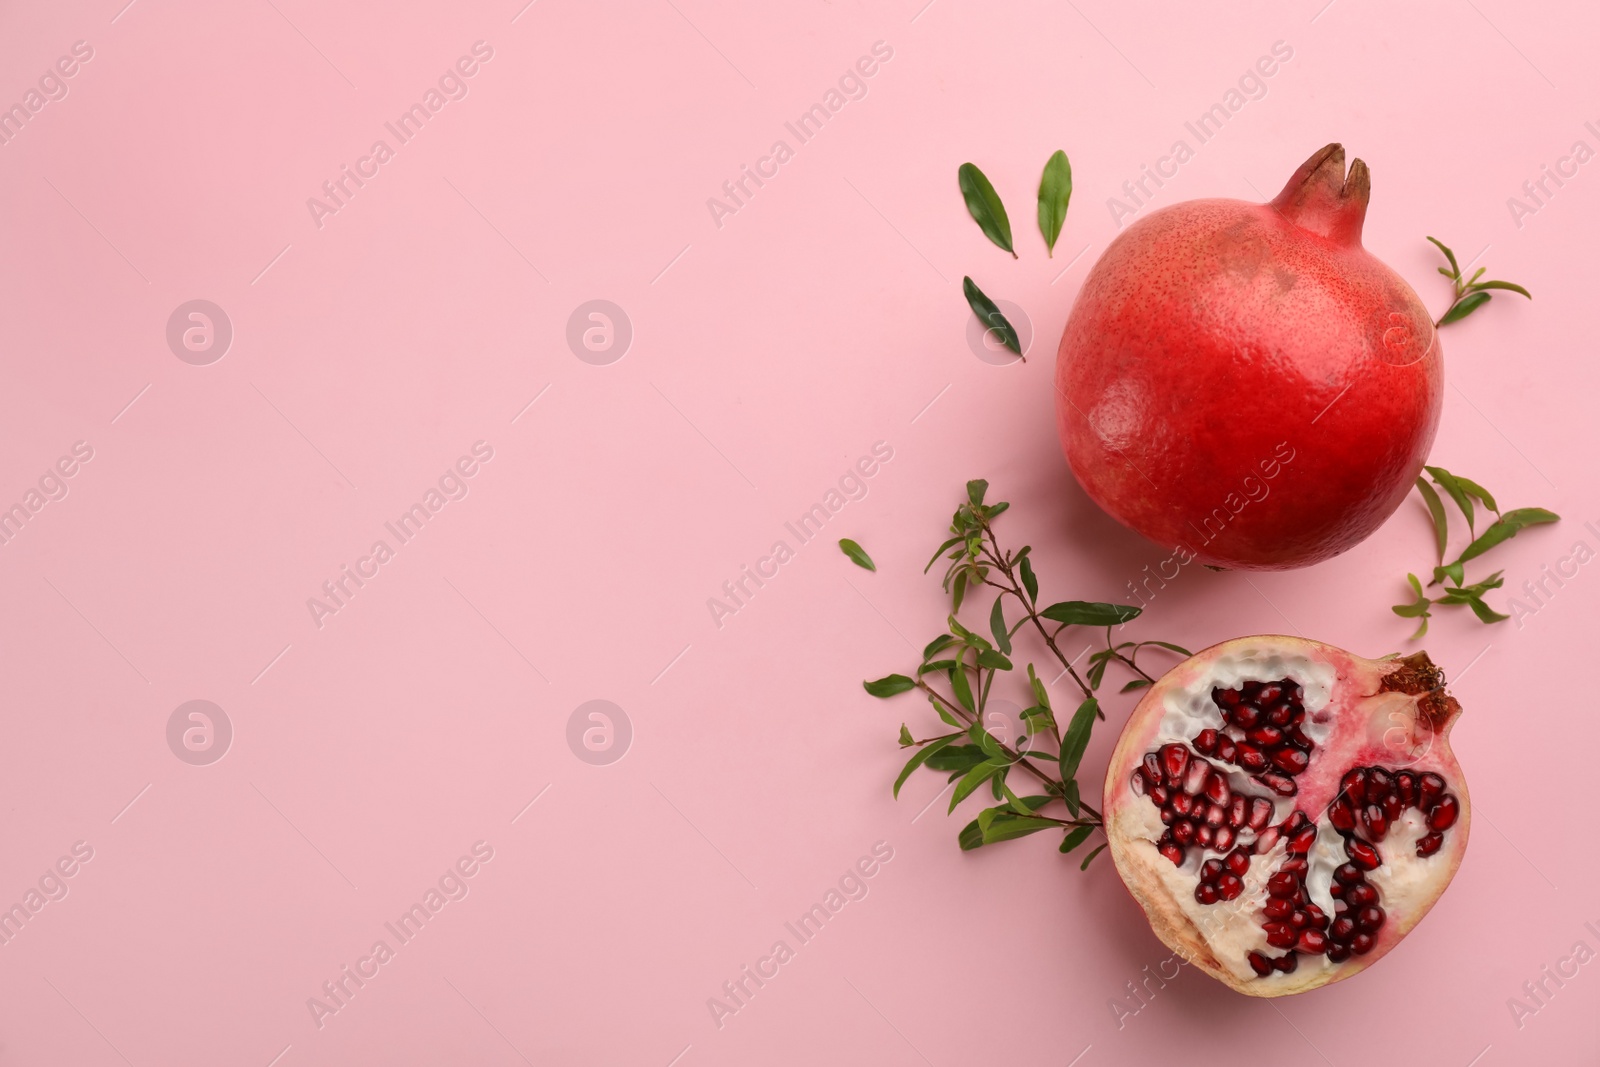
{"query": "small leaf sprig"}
[(856, 554), (968, 663), (989, 212), (1451, 577), (1470, 293)]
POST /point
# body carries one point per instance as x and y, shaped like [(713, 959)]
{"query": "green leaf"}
[(857, 554), (1464, 307), (1484, 612), (936, 665), (1449, 484), (1480, 492), (1029, 581), (1441, 525), (924, 753), (990, 315), (971, 836), (1075, 837), (889, 685), (1456, 572), (906, 740), (1076, 739), (1097, 668), (963, 688), (997, 625), (1170, 647), (972, 780), (1070, 796), (984, 205), (1137, 683), (953, 542), (1055, 191), (1502, 285), (1039, 693), (1505, 528), (1084, 866), (937, 645), (975, 490), (993, 660), (958, 758), (1005, 826), (994, 511), (1451, 256), (958, 592), (1087, 613)]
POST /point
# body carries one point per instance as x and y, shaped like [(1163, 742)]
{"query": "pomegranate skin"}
[(1244, 382)]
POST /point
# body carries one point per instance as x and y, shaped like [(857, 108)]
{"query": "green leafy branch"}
[(1470, 293), (1451, 577), (968, 664)]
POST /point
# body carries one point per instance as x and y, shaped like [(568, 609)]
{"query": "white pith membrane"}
[(1350, 723)]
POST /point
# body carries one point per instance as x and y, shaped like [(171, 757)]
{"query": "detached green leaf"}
[(1464, 307), (1505, 528), (857, 554), (1088, 613), (1441, 525), (923, 755), (1076, 739), (1457, 491), (1075, 837), (889, 685), (984, 205), (1055, 191), (990, 315)]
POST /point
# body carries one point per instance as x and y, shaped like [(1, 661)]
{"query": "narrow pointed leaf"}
[(1451, 256), (1088, 613), (1503, 285), (990, 315), (922, 756), (1076, 739), (1084, 866), (1030, 581), (1506, 528), (1075, 837), (1448, 483), (1441, 525), (953, 542), (1055, 191), (1479, 492), (984, 205), (1464, 307), (997, 625), (889, 685), (857, 554)]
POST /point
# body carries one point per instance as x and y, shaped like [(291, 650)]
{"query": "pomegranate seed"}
[(1172, 852), (1168, 816), (1336, 891), (1174, 761), (1429, 844), (1278, 908), (1270, 693), (1210, 869), (1226, 749), (1160, 795), (1205, 835), (1136, 783), (1361, 854), (1375, 821), (1362, 944), (1405, 787), (1250, 757), (1311, 942), (1251, 689), (1343, 928), (1230, 886), (1206, 894), (1354, 783), (1238, 861), (1226, 697), (1287, 964), (1393, 806), (1217, 790), (1182, 803), (1379, 782), (1444, 813), (1296, 866), (1429, 787), (1303, 841), (1224, 836), (1266, 736), (1260, 812), (1298, 739), (1238, 811), (1282, 884), (1195, 778), (1369, 918), (1260, 964), (1297, 820), (1246, 717), (1280, 935), (1339, 813), (1183, 832), (1151, 765), (1280, 715), (1298, 919), (1205, 742), (1338, 953), (1216, 816), (1348, 873), (1361, 895), (1290, 760), (1280, 784), (1318, 917)]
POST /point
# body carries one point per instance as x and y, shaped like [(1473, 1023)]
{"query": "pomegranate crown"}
[(1323, 200)]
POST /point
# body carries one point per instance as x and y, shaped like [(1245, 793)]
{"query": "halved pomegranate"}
[(1285, 812)]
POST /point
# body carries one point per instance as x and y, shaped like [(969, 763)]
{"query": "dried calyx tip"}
[(1322, 198)]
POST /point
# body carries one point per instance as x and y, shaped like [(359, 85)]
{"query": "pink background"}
[(768, 355)]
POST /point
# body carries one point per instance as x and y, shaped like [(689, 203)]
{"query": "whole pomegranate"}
[(1285, 812), (1244, 382)]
